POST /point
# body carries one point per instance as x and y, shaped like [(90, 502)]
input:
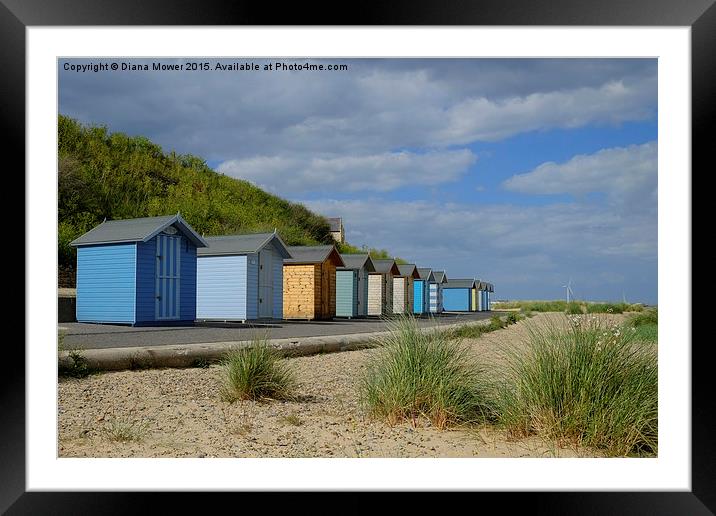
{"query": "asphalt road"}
[(94, 336)]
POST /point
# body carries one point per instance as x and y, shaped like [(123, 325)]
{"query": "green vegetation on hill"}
[(116, 176)]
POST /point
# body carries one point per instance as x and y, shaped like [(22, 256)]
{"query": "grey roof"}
[(386, 267), (460, 283), (408, 269), (440, 276), (426, 274), (334, 222), (242, 244), (313, 254), (490, 287), (137, 230), (358, 261)]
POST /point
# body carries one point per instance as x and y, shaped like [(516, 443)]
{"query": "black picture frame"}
[(700, 15)]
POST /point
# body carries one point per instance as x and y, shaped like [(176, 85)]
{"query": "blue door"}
[(167, 278), (418, 296)]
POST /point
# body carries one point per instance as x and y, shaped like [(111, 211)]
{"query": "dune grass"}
[(645, 325), (256, 372), (573, 307), (588, 383), (428, 374)]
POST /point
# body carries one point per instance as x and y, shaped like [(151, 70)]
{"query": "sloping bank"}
[(191, 355)]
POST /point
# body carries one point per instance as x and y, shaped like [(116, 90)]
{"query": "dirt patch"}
[(178, 413)]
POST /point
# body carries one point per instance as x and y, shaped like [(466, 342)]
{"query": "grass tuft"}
[(256, 372), (645, 325), (123, 431), (426, 374), (588, 383)]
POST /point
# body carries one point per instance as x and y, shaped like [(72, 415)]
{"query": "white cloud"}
[(379, 172), (481, 118), (379, 106), (627, 175), (520, 249)]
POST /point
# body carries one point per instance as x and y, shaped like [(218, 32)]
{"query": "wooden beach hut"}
[(421, 296), (435, 292), (380, 287), (309, 282), (138, 272), (240, 277), (352, 285), (457, 295), (403, 288)]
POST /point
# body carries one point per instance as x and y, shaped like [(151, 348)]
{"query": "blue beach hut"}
[(138, 272), (352, 285), (421, 297), (435, 292), (457, 295), (240, 277)]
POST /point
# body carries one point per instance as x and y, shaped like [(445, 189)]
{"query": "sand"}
[(179, 413)]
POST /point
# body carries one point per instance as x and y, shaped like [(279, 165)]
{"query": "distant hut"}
[(488, 296), (138, 271), (403, 288), (309, 282), (240, 277), (380, 287), (352, 285), (457, 295), (421, 295), (481, 286), (435, 292)]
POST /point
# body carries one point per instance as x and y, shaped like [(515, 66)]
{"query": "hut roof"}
[(137, 230), (409, 269), (460, 283), (243, 244), (358, 261), (386, 267), (313, 254), (440, 276), (426, 274)]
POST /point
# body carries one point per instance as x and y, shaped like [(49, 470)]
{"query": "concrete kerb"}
[(190, 355)]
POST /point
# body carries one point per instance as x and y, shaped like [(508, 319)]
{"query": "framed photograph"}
[(434, 161)]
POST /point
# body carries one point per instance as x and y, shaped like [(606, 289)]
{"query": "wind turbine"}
[(568, 286)]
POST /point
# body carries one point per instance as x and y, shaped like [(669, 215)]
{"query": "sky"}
[(527, 173)]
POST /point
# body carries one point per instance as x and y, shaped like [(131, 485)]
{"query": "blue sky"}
[(522, 172)]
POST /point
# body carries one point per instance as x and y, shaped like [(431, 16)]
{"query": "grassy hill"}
[(113, 175)]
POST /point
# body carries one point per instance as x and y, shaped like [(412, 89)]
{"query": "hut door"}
[(326, 292), (166, 301), (265, 284)]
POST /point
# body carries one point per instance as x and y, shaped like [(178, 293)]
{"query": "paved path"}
[(98, 336)]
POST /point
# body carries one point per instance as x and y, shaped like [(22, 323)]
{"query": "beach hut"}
[(403, 288), (488, 296), (435, 292), (309, 282), (480, 295), (138, 271), (380, 287), (421, 296), (457, 295), (240, 277), (352, 285)]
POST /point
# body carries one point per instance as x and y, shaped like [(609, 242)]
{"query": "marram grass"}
[(256, 372), (424, 374), (588, 383)]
